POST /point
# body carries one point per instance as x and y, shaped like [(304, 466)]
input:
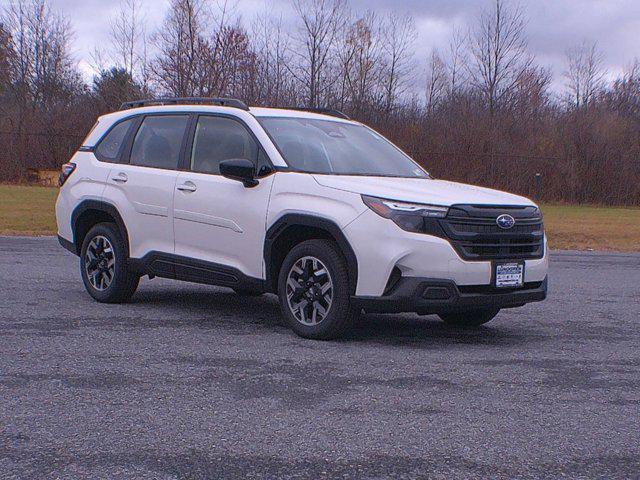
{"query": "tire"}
[(95, 276), (309, 321), (469, 318), (247, 292)]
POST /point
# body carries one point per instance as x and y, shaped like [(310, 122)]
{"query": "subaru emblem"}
[(505, 221)]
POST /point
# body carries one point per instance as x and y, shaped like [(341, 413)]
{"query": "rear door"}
[(108, 152), (216, 219), (142, 187)]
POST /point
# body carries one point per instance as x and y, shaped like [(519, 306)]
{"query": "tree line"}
[(482, 111)]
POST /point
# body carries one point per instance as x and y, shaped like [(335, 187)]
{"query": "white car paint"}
[(145, 203), (420, 190), (416, 255), (222, 221), (87, 183)]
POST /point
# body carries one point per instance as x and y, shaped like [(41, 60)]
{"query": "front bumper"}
[(429, 296), (380, 246), (68, 245)]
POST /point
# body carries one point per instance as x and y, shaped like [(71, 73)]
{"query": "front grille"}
[(474, 233)]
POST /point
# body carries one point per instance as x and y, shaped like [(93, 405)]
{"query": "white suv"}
[(319, 209)]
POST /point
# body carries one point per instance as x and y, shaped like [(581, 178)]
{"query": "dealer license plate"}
[(509, 275)]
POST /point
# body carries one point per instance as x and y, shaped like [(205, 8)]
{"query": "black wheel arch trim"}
[(67, 245), (307, 220), (101, 206)]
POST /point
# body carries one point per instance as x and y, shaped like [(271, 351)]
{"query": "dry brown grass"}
[(29, 210), (579, 227)]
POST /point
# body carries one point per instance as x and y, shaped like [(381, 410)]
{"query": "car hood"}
[(421, 190)]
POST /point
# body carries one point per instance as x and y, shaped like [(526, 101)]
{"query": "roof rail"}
[(325, 111), (223, 102)]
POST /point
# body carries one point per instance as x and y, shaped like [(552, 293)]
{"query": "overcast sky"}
[(554, 25)]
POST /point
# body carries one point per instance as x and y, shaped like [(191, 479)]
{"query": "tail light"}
[(65, 172)]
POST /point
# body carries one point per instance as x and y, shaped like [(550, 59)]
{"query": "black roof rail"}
[(222, 102), (325, 111)]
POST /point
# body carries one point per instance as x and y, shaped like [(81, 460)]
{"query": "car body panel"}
[(299, 193), (222, 221), (145, 203), (416, 255), (421, 190), (87, 182)]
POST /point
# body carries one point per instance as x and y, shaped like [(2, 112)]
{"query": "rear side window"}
[(109, 148), (217, 139), (158, 141)]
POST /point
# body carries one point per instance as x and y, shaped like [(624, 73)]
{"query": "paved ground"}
[(195, 382)]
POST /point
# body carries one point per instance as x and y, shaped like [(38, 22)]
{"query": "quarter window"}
[(217, 139), (158, 141), (110, 145)]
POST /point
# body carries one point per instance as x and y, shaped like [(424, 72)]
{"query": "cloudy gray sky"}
[(554, 25)]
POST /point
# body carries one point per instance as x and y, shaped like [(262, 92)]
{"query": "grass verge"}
[(29, 210), (580, 227)]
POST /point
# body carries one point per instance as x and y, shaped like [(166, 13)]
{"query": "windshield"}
[(325, 146)]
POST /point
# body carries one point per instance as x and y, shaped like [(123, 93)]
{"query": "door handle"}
[(120, 178), (187, 187)]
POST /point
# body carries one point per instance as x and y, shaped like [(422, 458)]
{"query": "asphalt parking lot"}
[(191, 381)]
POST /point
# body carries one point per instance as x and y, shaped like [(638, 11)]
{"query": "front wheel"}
[(104, 266), (314, 290), (469, 318)]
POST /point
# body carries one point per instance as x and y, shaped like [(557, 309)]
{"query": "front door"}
[(216, 219)]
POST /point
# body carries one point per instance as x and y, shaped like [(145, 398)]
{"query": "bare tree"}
[(40, 40), (233, 64), (437, 80), (531, 93), (398, 38), (585, 73), (6, 60), (345, 52), (498, 52), (314, 46), (43, 81), (360, 58), (182, 49), (623, 96), (271, 48), (632, 71), (128, 36), (456, 61), (203, 54)]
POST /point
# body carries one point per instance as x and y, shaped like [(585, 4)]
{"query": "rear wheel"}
[(314, 290), (104, 267), (469, 318)]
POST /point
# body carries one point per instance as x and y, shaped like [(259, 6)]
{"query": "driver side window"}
[(217, 139)]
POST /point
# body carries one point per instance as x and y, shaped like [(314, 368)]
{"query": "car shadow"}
[(213, 307), (421, 331)]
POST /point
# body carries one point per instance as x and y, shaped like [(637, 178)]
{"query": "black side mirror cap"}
[(239, 169)]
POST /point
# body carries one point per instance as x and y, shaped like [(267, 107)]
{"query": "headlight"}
[(413, 217)]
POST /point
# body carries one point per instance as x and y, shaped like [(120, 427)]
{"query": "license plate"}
[(509, 275)]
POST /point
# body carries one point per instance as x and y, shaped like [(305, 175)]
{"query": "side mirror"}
[(239, 169)]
